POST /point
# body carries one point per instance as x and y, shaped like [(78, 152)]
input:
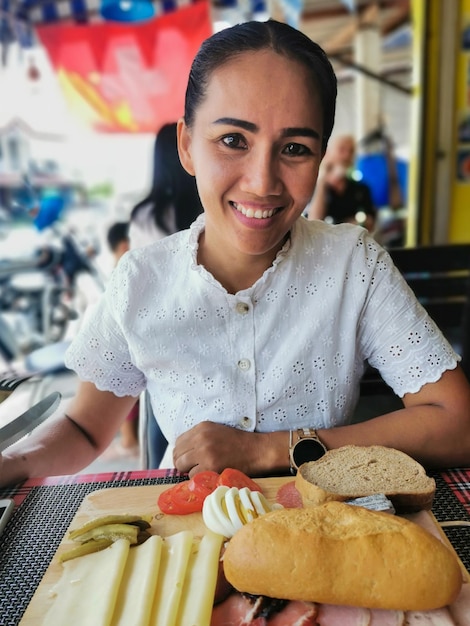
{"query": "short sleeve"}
[(398, 336), (100, 352)]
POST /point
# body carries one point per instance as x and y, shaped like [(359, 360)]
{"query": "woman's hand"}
[(212, 446)]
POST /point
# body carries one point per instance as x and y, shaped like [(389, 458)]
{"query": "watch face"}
[(307, 450)]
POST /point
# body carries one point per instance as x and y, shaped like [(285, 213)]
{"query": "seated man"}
[(338, 197)]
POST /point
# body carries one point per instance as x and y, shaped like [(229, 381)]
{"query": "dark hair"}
[(254, 36), (173, 190), (117, 232)]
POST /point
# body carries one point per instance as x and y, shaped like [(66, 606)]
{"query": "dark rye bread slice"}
[(356, 471)]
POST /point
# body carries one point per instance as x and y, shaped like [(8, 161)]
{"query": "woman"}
[(256, 322)]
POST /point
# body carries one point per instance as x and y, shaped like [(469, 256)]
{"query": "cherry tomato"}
[(235, 478), (179, 500), (204, 483)]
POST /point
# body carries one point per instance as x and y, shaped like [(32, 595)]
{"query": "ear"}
[(184, 146)]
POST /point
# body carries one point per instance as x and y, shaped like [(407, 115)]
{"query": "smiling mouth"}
[(258, 214)]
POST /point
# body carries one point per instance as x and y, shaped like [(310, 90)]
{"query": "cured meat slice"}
[(236, 610), (335, 615), (381, 617), (438, 617), (289, 497), (295, 614)]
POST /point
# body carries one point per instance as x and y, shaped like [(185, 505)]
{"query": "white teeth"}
[(258, 214)]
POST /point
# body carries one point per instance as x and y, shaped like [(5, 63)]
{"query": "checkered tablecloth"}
[(459, 482), (45, 507)]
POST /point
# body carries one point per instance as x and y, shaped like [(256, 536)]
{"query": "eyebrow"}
[(287, 132)]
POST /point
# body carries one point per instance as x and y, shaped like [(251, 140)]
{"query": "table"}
[(45, 508)]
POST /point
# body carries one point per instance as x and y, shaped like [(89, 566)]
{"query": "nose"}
[(262, 175)]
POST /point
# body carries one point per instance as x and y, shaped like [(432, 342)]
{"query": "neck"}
[(234, 273)]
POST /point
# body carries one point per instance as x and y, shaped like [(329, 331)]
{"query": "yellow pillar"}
[(459, 222)]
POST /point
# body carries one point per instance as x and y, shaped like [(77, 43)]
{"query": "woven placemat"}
[(33, 535), (27, 547)]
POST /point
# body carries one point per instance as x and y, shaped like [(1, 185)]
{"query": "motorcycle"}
[(37, 293)]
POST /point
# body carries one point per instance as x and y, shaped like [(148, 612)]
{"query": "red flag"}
[(128, 77)]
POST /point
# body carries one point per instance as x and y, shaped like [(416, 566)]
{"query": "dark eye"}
[(235, 141), (296, 149)]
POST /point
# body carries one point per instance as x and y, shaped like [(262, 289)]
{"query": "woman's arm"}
[(68, 443), (433, 428)]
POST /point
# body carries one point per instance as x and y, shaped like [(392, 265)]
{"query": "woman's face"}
[(255, 149)]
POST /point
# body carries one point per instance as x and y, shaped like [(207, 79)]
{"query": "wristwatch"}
[(308, 447)]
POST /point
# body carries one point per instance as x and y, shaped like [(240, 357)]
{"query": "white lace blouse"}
[(286, 353)]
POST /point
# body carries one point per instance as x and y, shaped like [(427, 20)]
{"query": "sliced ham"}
[(236, 610), (438, 617), (295, 614), (333, 615), (381, 617), (289, 497)]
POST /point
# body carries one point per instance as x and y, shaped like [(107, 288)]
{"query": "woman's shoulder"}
[(337, 235), (336, 244)]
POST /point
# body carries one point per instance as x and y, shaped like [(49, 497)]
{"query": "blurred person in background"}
[(338, 197), (173, 202), (127, 445), (172, 205)]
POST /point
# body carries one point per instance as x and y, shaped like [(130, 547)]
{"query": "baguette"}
[(337, 553), (357, 471)]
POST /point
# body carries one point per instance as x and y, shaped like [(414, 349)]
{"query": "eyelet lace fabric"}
[(289, 352)]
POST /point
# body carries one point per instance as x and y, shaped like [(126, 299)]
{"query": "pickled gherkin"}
[(110, 519), (101, 532), (112, 532)]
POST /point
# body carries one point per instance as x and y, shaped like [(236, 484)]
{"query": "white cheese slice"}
[(201, 578), (176, 551), (139, 581), (87, 590)]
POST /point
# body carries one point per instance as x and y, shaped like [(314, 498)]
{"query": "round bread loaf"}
[(337, 553)]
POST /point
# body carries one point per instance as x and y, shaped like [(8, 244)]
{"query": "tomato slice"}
[(235, 478), (204, 483), (179, 500)]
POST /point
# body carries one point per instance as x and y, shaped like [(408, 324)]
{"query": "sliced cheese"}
[(176, 551), (138, 584), (87, 590), (199, 586)]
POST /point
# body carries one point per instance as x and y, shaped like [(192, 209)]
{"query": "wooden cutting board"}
[(138, 500), (143, 500)]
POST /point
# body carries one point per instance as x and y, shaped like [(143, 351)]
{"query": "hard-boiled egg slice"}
[(247, 507), (213, 513), (226, 509), (262, 506), (232, 502)]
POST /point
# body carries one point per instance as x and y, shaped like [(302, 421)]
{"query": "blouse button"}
[(242, 308), (244, 364), (245, 422)]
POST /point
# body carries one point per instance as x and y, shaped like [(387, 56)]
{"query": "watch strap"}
[(307, 433)]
